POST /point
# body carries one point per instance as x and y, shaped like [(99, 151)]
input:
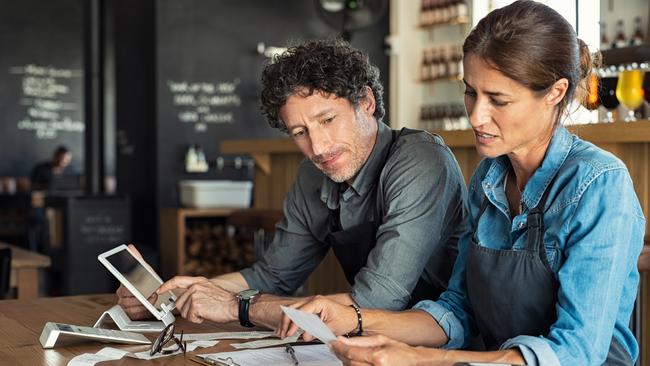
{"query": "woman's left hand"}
[(382, 351)]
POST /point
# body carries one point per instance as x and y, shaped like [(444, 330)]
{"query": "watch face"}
[(248, 294)]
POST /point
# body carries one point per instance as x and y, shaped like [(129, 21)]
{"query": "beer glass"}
[(629, 91), (592, 101), (646, 84), (607, 95)]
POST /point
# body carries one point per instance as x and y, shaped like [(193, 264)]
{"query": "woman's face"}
[(507, 117)]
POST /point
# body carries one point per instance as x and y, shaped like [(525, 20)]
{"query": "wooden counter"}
[(21, 323)]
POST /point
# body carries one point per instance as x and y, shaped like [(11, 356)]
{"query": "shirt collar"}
[(556, 154), (366, 177)]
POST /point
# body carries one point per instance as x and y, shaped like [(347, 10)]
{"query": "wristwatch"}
[(245, 298)]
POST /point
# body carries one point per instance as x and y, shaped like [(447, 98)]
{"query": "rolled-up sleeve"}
[(535, 350), (424, 196)]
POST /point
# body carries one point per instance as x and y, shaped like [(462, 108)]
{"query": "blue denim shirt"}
[(594, 230)]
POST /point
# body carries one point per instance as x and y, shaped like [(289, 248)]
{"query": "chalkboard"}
[(208, 72), (41, 82)]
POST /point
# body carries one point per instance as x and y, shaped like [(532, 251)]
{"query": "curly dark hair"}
[(331, 66)]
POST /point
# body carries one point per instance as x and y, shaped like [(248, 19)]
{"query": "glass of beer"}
[(629, 91), (646, 81), (607, 93), (592, 101)]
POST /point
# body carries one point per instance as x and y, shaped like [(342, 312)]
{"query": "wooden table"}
[(24, 270), (21, 323)]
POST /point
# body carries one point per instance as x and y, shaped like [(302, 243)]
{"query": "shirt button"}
[(521, 225)]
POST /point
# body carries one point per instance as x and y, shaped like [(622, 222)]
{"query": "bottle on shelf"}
[(620, 40), (462, 10), (452, 62), (443, 71), (637, 37), (442, 62), (448, 117), (445, 11), (453, 10), (604, 40), (425, 74), (433, 12), (423, 12), (459, 61), (433, 65)]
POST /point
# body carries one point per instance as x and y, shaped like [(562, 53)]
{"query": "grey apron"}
[(514, 292), (353, 245)]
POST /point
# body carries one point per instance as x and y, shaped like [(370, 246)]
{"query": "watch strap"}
[(244, 305)]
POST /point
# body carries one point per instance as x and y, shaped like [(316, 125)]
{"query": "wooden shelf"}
[(456, 21), (172, 231), (205, 212), (597, 133), (263, 146), (454, 78), (626, 55)]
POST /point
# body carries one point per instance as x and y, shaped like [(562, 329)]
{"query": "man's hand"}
[(383, 351), (340, 318), (131, 305), (202, 300)]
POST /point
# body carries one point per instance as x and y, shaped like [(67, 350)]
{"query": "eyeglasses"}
[(166, 336)]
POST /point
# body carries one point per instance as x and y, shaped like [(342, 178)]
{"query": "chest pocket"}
[(551, 246)]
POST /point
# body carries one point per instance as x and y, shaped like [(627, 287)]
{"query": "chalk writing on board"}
[(100, 227), (49, 107), (203, 103)]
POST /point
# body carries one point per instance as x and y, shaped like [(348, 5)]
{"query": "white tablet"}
[(139, 278)]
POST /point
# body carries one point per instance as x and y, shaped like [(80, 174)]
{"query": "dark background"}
[(41, 33), (146, 44)]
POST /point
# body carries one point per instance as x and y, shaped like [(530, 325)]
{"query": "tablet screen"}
[(138, 275)]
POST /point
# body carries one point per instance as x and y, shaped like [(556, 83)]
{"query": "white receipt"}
[(109, 354), (268, 342), (225, 335), (307, 355), (310, 323)]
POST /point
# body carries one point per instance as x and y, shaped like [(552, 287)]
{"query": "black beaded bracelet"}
[(359, 323)]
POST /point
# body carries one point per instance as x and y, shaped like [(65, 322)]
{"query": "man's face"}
[(334, 135), (63, 160)]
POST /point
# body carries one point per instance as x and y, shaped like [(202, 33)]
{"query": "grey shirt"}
[(422, 197)]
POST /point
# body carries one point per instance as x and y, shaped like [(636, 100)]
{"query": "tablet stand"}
[(119, 317)]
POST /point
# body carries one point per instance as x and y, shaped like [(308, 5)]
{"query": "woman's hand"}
[(383, 351), (340, 318)]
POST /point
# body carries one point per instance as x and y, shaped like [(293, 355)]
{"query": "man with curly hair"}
[(390, 204)]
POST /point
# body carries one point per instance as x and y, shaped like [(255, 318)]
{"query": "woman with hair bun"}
[(547, 273)]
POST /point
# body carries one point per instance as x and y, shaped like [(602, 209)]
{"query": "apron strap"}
[(535, 228)]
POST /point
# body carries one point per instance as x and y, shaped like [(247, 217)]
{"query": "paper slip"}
[(109, 354), (307, 355), (268, 342), (310, 323), (225, 335)]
